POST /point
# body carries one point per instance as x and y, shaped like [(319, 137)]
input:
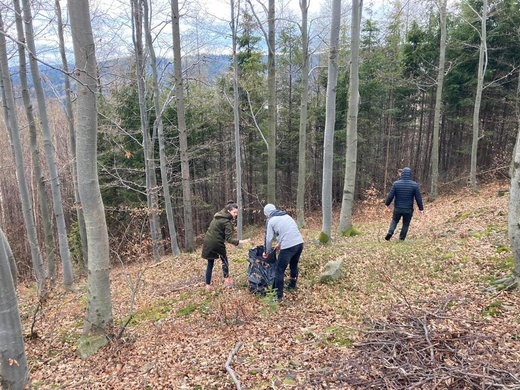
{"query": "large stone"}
[(332, 271)]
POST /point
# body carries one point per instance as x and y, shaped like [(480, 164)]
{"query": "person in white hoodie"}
[(289, 242)]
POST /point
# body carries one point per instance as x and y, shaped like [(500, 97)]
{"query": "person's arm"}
[(229, 234), (418, 198), (269, 237), (390, 196)]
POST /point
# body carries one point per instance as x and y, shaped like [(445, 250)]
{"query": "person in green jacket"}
[(219, 232)]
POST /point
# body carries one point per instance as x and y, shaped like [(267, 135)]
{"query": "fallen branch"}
[(229, 369)]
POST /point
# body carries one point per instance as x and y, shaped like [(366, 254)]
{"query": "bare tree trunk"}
[(149, 165), (302, 146), (14, 372), (330, 121), (35, 153), (189, 239), (12, 124), (72, 136), (158, 124), (57, 203), (99, 306), (271, 103), (438, 103), (10, 257), (236, 118), (349, 186), (482, 65)]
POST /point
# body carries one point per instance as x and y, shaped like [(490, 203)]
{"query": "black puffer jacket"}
[(219, 232), (405, 190)]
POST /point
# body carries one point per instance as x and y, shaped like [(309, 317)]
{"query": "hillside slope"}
[(412, 313)]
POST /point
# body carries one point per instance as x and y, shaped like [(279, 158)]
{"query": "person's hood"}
[(406, 174), (223, 214), (268, 209)]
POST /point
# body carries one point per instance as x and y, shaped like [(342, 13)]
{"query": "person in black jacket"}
[(219, 232), (403, 192)]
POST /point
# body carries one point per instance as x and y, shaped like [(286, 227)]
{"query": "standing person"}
[(219, 232), (289, 242), (404, 191)]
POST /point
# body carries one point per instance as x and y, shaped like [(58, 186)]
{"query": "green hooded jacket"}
[(219, 232)]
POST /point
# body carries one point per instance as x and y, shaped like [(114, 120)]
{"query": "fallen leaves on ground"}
[(417, 312)]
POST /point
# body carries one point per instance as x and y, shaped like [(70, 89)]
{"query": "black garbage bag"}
[(260, 272)]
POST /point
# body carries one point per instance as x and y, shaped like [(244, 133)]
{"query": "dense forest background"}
[(399, 58)]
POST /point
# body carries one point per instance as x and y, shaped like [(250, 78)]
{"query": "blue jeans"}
[(407, 217), (287, 257)]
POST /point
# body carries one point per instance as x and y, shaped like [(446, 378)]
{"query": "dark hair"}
[(231, 205)]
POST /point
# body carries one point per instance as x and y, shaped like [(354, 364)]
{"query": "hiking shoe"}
[(388, 237), (228, 282), (288, 287), (277, 300)]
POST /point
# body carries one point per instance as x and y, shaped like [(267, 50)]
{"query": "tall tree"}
[(236, 118), (99, 305), (14, 371), (138, 10), (482, 65), (438, 102), (11, 121), (57, 203), (72, 133), (349, 185), (302, 142), (159, 129), (48, 237), (271, 103), (330, 122), (189, 239)]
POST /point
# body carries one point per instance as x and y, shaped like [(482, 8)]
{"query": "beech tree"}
[(189, 238), (57, 203), (349, 185), (438, 102), (48, 237), (14, 371), (99, 306), (330, 122), (302, 142), (11, 121)]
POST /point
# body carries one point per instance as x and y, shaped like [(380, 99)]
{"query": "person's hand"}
[(277, 247), (264, 255), (387, 208), (245, 241)]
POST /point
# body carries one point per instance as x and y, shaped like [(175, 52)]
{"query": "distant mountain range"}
[(208, 67)]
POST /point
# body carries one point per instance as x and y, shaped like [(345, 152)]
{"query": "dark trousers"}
[(211, 263), (287, 257), (406, 214)]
